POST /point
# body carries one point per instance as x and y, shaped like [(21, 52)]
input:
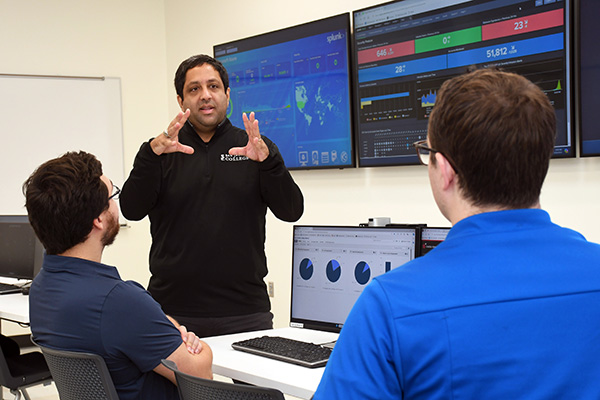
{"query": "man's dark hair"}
[(63, 197), (193, 62), (499, 130)]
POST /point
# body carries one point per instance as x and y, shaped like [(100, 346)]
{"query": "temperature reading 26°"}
[(520, 25)]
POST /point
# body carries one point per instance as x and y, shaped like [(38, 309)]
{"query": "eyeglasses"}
[(116, 193), (424, 152)]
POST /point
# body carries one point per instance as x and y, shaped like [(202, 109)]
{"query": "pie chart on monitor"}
[(306, 269), (333, 270), (362, 273)]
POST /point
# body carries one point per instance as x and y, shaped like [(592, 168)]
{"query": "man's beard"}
[(111, 233)]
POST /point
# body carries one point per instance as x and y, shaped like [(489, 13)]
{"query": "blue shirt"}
[(506, 307), (81, 305)]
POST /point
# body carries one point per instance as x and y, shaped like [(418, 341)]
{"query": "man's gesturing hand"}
[(168, 140), (256, 149)]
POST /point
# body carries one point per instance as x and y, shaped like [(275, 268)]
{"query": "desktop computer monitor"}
[(430, 238), (21, 253), (331, 265)]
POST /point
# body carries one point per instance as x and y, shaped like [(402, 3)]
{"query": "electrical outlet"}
[(271, 289)]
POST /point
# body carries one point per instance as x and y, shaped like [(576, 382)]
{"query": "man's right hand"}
[(163, 144)]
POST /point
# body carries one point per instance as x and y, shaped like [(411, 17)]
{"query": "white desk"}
[(289, 378), (14, 307)]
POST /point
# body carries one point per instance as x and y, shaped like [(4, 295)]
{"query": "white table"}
[(262, 371), (14, 307), (289, 378)]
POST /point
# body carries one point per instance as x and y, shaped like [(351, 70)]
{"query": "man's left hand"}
[(193, 344), (256, 149)]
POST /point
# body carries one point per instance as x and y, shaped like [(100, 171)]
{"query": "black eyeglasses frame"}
[(422, 144)]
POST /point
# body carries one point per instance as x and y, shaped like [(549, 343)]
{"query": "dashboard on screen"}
[(405, 50), (589, 77), (297, 81), (331, 265)]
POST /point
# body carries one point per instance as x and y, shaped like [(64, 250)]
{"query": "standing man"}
[(77, 303), (206, 186), (507, 306)]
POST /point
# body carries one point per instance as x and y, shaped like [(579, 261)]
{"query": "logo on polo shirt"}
[(229, 157)]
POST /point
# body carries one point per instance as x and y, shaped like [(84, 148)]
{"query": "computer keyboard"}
[(289, 350), (6, 288)]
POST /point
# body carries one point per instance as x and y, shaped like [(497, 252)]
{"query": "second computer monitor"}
[(430, 238), (21, 253)]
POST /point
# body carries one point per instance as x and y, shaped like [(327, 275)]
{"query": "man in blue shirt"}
[(77, 303), (507, 306)]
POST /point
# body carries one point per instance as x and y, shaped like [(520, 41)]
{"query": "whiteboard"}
[(43, 117)]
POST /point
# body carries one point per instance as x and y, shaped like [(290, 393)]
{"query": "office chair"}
[(194, 388), (80, 376), (21, 371)]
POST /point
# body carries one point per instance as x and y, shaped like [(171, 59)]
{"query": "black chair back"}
[(194, 388), (80, 376)]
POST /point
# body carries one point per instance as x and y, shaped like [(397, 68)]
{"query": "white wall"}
[(143, 42), (124, 39)]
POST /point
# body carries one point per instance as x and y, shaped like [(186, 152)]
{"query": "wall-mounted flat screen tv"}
[(404, 50), (297, 82), (588, 58)]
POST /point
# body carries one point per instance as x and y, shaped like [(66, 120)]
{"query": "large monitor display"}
[(297, 81), (406, 49), (589, 76)]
